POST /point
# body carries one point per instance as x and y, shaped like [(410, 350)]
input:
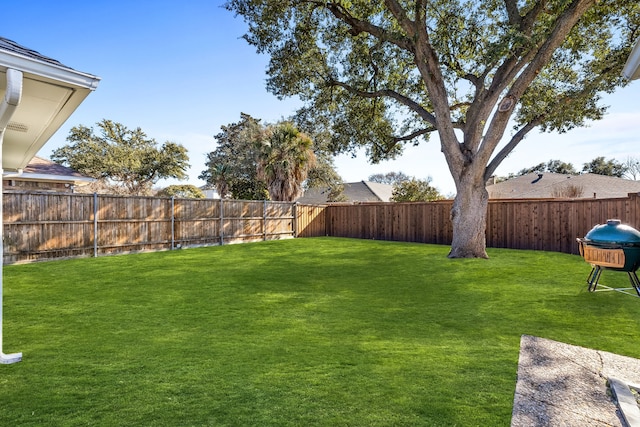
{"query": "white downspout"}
[(631, 70), (8, 106)]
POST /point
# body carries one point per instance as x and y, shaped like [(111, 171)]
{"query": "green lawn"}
[(323, 332)]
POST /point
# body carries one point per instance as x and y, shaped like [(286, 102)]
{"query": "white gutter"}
[(49, 70), (8, 106), (631, 70)]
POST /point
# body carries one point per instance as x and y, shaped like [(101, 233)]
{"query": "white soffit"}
[(50, 94), (631, 69), (78, 181)]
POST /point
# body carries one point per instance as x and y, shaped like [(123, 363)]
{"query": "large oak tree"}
[(125, 161), (381, 74)]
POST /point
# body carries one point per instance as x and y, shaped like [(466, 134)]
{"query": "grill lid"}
[(613, 232)]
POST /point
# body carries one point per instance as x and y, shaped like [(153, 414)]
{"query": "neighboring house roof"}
[(37, 95), (555, 185), (363, 191), (44, 170)]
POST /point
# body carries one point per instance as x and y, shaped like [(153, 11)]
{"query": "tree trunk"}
[(469, 218)]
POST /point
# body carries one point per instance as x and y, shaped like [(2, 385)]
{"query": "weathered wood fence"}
[(40, 226), (551, 225)]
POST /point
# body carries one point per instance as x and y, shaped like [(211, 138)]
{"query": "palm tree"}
[(285, 156)]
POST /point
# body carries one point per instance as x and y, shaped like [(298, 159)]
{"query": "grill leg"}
[(593, 278), (634, 281)]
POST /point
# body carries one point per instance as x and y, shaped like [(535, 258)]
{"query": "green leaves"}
[(284, 159), (231, 167), (126, 160), (257, 162), (365, 65), (187, 191), (601, 166), (415, 190)]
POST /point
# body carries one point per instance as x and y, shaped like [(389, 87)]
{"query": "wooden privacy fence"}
[(39, 226), (542, 224)]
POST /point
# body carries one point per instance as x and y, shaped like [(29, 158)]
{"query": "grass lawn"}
[(322, 332)]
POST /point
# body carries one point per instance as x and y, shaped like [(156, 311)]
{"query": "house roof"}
[(39, 169), (555, 185), (10, 45), (40, 94), (363, 191)]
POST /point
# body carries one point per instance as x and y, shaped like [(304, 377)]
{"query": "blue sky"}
[(180, 70)]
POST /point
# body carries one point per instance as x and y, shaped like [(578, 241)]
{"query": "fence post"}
[(221, 222), (95, 225), (173, 222), (294, 222), (264, 220)]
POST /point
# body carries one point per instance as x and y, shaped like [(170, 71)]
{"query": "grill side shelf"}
[(613, 258)]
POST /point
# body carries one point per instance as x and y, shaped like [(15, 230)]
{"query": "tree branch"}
[(413, 105), (513, 13), (511, 145), (401, 16), (460, 105), (360, 26), (414, 135)]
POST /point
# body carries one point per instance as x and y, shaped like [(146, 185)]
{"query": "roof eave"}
[(35, 121), (48, 70)]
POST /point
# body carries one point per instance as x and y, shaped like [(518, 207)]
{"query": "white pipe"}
[(8, 106), (631, 69)]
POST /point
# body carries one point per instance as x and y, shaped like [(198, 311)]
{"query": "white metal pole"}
[(9, 104)]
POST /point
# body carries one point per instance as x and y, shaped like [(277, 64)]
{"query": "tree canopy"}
[(126, 161), (390, 178), (609, 167), (255, 162), (415, 190), (285, 156), (186, 191), (552, 166), (232, 167), (380, 74), (632, 165)]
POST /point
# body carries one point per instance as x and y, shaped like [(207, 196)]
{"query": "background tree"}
[(552, 166), (187, 191), (125, 161), (601, 166), (390, 178), (324, 175), (284, 159), (232, 167), (415, 190), (632, 165), (380, 74), (251, 160)]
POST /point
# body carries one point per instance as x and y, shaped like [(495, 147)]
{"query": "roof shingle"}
[(11, 46)]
